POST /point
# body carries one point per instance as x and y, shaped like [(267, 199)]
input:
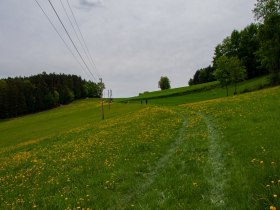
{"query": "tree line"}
[(24, 95), (249, 53)]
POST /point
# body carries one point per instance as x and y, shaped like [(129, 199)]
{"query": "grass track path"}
[(218, 176), (214, 174), (160, 165)]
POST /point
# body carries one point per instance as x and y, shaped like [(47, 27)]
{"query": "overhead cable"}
[(77, 36), (76, 22), (66, 31), (65, 43)]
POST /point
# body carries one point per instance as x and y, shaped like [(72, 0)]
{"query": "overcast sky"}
[(132, 42)]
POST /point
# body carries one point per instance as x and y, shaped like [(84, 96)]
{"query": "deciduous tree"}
[(265, 9), (229, 70), (237, 71), (222, 72), (269, 52), (164, 83)]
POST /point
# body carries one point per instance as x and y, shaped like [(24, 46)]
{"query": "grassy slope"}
[(34, 127), (98, 166), (247, 129), (196, 93), (229, 158), (176, 91), (215, 154)]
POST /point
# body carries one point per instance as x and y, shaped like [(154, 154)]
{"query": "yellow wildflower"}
[(195, 184), (272, 208)]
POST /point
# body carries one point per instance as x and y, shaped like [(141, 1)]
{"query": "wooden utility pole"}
[(101, 96), (110, 98)]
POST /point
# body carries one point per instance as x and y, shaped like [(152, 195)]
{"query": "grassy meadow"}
[(196, 93), (38, 126), (204, 154)]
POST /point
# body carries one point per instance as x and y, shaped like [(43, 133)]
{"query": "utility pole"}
[(101, 96), (110, 97)]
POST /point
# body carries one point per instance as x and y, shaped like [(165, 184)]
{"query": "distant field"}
[(41, 125), (196, 93), (212, 154), (177, 91)]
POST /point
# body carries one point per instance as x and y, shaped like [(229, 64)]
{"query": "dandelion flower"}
[(195, 184), (272, 208)]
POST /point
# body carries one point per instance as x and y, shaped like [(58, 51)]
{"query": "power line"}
[(71, 23), (71, 40), (75, 20), (65, 43)]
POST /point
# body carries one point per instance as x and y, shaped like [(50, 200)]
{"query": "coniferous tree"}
[(19, 96)]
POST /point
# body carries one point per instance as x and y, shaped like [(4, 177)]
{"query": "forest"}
[(257, 47), (24, 95)]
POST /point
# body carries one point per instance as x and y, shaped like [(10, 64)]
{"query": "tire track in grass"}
[(218, 173), (160, 165)]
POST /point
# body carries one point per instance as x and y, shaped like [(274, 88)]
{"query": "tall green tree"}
[(268, 12), (230, 46), (222, 72), (264, 9), (269, 53), (249, 45), (229, 70), (164, 83), (237, 71)]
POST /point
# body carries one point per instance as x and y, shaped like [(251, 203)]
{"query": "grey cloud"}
[(86, 4)]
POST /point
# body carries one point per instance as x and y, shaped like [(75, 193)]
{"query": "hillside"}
[(202, 155), (196, 93)]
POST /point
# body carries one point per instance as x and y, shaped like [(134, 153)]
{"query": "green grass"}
[(98, 166), (41, 125), (221, 153), (177, 91), (197, 93), (248, 129)]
